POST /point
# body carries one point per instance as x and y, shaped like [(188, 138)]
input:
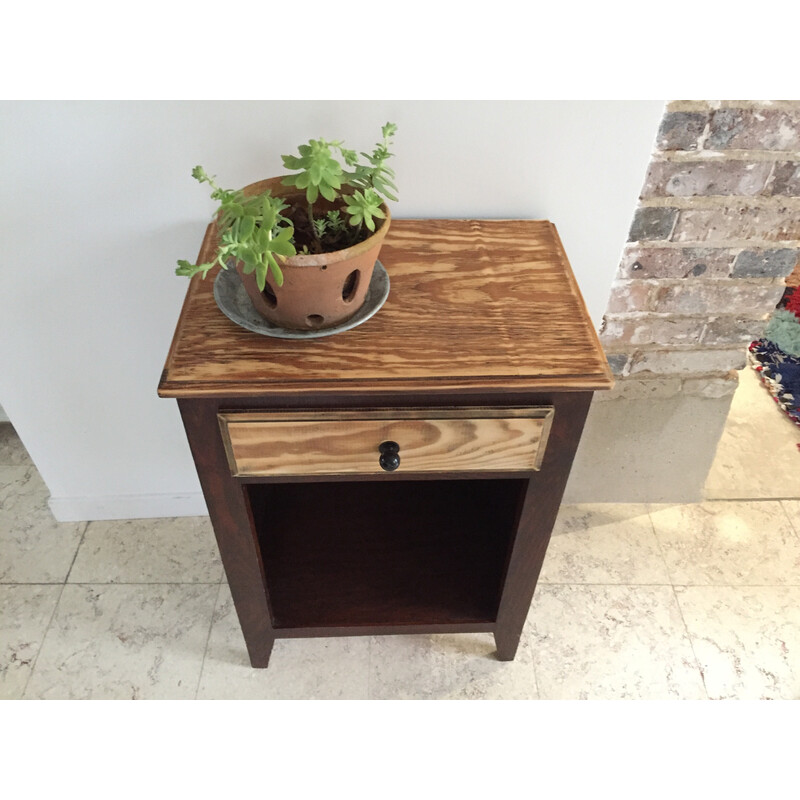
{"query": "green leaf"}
[(335, 220), (269, 214), (246, 227), (327, 192), (185, 269), (261, 275), (312, 193), (291, 162), (282, 243), (389, 195), (276, 270), (290, 180), (385, 176), (320, 226), (285, 249), (247, 254), (316, 173), (262, 239)]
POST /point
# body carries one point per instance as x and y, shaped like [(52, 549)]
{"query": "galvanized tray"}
[(233, 301)]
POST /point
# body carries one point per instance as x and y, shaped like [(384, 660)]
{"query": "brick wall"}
[(716, 231)]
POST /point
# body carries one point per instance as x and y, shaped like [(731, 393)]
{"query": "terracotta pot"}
[(319, 290)]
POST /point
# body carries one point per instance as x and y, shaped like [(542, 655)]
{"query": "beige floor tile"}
[(299, 669), (12, 451), (124, 642), (747, 639), (612, 643), (604, 543), (735, 542), (181, 550), (25, 612), (792, 509), (757, 455), (34, 548), (449, 667)]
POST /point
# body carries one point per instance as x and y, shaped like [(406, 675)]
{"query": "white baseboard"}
[(134, 506)]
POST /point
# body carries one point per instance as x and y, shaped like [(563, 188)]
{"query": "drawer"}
[(264, 443)]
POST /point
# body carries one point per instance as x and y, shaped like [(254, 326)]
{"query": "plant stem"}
[(311, 223)]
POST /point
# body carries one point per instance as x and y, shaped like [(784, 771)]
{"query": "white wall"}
[(98, 204)]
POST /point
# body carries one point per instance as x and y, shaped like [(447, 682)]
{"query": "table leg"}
[(537, 515), (233, 526)]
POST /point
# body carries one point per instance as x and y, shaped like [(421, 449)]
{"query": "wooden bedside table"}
[(480, 368)]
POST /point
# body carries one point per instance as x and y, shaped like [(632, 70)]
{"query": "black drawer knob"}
[(390, 456)]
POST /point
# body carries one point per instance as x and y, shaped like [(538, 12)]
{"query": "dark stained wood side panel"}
[(233, 527), (537, 515)]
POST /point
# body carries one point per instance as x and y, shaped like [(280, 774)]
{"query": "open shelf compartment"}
[(384, 552)]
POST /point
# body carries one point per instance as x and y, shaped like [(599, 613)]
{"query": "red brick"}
[(670, 179), (765, 263), (675, 262), (687, 362), (717, 297), (648, 329), (629, 296), (754, 129), (785, 179), (617, 362), (681, 130), (717, 225), (733, 329)]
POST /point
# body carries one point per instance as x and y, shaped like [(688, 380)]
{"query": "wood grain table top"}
[(474, 305)]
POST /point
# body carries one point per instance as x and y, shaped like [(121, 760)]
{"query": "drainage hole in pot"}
[(350, 285), (269, 296), (315, 320)]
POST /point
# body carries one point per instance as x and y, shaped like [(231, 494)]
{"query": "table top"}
[(474, 304)]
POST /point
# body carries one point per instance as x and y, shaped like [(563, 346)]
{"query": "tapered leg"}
[(536, 517), (260, 653), (233, 526), (507, 642)]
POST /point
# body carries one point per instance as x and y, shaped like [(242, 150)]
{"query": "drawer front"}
[(263, 444)]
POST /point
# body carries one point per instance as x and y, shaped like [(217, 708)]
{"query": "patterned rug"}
[(776, 357)]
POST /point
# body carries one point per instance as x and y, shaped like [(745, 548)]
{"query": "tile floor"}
[(758, 454), (652, 602)]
